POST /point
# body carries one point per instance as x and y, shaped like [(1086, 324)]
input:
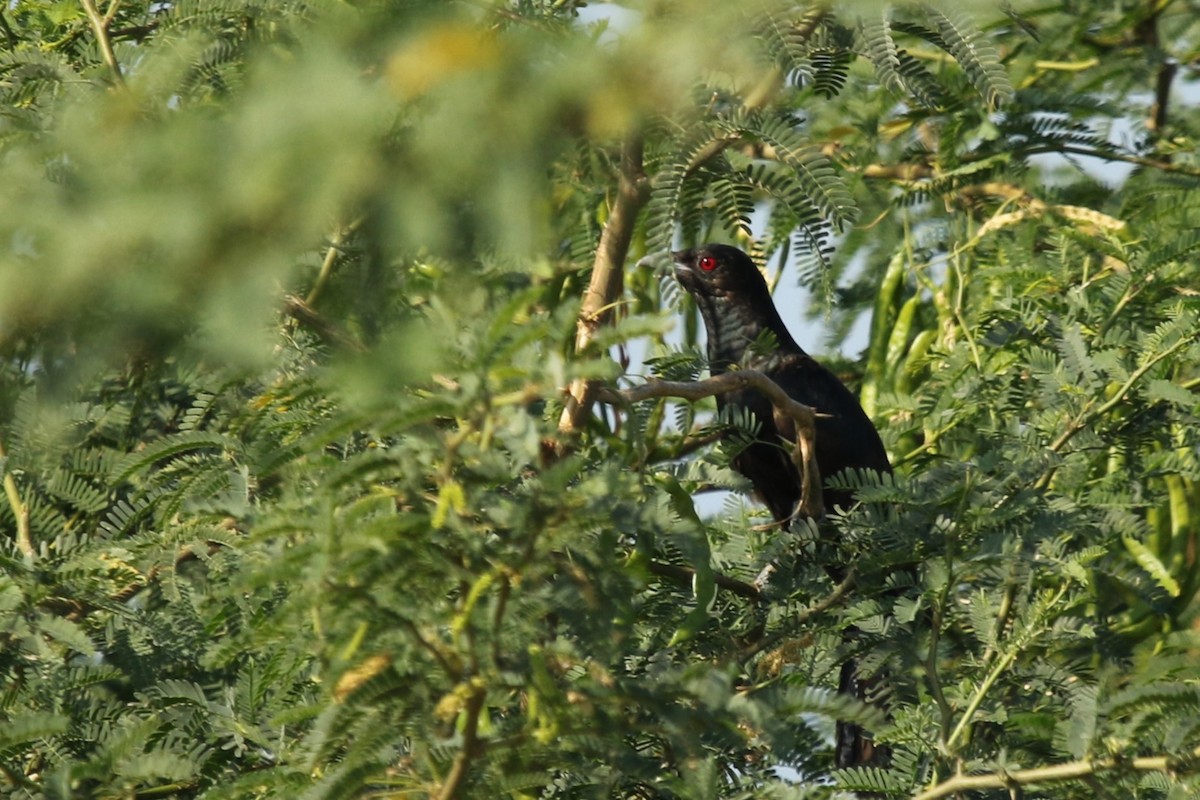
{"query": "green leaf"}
[(1148, 561)]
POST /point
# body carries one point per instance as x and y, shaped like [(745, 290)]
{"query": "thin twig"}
[(444, 661), (805, 417), (994, 674), (801, 618), (1141, 161), (110, 15), (931, 667), (100, 28), (335, 248), (968, 716), (686, 445), (1090, 416), (913, 172), (329, 333)]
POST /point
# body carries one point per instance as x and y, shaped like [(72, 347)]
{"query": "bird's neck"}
[(732, 327)]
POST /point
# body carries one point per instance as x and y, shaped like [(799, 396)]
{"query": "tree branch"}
[(633, 191), (1072, 770), (329, 333), (686, 574), (100, 28), (1141, 161), (607, 281), (1148, 36), (805, 417), (335, 248), (456, 780), (910, 172), (19, 508), (1162, 96)]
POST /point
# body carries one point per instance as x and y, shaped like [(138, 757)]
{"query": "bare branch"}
[(685, 575), (19, 508), (335, 249), (805, 417), (608, 277), (1072, 770), (471, 745), (100, 28), (331, 334)]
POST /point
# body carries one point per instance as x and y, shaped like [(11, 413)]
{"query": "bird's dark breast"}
[(730, 328), (766, 461)]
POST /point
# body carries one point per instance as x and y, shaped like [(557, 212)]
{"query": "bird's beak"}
[(680, 257)]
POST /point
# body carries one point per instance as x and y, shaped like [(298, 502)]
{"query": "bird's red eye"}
[(707, 263)]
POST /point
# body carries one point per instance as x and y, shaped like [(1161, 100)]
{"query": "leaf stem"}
[(335, 248), (977, 699), (998, 669), (1088, 417)]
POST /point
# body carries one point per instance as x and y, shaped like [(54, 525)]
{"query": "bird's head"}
[(733, 299), (720, 273)]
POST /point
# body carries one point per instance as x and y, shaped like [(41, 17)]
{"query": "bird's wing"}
[(846, 437)]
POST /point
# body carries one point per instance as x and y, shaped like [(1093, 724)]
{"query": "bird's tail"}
[(855, 746)]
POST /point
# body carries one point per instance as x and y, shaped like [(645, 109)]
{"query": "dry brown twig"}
[(804, 453)]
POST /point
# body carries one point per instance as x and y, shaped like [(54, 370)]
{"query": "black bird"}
[(737, 308)]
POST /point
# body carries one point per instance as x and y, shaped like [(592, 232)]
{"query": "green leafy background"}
[(288, 301)]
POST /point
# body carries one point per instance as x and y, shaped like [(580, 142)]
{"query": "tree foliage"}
[(312, 487)]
